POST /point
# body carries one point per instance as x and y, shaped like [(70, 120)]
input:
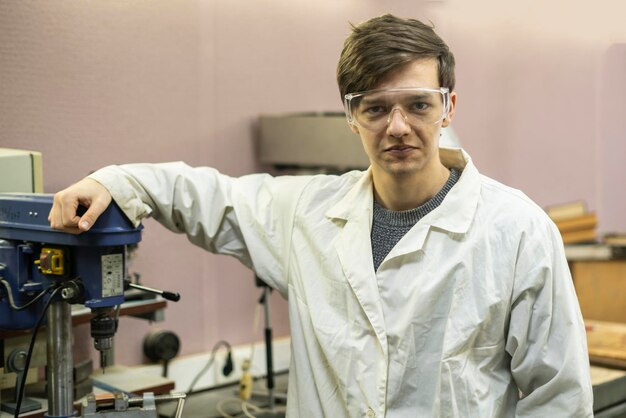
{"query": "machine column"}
[(60, 365)]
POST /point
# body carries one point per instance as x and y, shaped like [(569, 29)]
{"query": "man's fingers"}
[(87, 192), (74, 230), (93, 212), (55, 216), (56, 222), (68, 206)]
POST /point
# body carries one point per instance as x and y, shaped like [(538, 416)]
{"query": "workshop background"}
[(541, 85)]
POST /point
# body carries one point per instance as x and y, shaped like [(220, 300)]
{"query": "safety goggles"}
[(374, 109)]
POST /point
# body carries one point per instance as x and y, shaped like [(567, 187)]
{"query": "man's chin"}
[(404, 168)]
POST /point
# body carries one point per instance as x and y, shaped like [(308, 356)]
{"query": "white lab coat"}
[(472, 314)]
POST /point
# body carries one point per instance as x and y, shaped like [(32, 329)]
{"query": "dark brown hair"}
[(386, 43)]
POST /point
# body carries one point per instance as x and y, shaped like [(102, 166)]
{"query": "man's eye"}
[(420, 106), (375, 110)]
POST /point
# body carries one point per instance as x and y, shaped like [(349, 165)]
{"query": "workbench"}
[(609, 392), (121, 378)]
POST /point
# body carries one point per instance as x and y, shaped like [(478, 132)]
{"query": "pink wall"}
[(541, 95), (541, 88)]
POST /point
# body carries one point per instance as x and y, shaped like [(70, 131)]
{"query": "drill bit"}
[(103, 360)]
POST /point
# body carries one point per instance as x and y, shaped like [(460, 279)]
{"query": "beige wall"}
[(541, 100)]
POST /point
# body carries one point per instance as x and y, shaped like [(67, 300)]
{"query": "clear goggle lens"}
[(418, 106)]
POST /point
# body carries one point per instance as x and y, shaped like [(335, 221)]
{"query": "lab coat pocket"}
[(330, 312), (331, 323)]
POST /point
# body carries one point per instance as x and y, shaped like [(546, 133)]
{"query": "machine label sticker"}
[(112, 275)]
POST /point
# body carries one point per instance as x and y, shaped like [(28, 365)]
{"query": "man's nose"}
[(397, 123)]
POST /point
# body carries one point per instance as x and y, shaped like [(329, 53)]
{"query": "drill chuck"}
[(103, 344), (103, 327)]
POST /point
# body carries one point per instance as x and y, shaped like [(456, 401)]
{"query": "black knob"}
[(161, 345)]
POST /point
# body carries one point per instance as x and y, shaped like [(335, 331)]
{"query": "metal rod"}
[(135, 401), (268, 348), (173, 296), (179, 408), (59, 371)]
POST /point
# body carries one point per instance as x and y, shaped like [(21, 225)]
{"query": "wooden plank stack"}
[(575, 223)]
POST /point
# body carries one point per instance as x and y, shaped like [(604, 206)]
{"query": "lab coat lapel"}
[(354, 249), (456, 212)]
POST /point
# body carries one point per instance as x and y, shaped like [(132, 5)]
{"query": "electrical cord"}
[(246, 406), (246, 382), (245, 391), (247, 409), (255, 328), (228, 367), (220, 406), (7, 286), (20, 391)]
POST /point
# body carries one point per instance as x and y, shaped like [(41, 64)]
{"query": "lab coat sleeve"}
[(248, 217), (546, 337)]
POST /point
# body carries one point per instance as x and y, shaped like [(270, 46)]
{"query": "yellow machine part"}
[(51, 261)]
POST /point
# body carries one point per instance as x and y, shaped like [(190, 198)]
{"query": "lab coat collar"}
[(458, 209), (455, 214), (358, 202)]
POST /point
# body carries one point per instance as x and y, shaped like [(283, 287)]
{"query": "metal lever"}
[(173, 296)]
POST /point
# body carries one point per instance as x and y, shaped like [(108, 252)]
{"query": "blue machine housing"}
[(96, 259), (24, 217)]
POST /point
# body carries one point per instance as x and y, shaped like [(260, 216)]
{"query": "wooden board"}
[(133, 379), (600, 375), (601, 289), (606, 339)]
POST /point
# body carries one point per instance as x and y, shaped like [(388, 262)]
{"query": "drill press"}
[(42, 267)]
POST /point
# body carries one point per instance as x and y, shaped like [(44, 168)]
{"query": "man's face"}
[(401, 148)]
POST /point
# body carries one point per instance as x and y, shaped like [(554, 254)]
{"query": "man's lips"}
[(400, 148)]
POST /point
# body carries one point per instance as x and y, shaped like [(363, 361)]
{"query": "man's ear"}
[(354, 128), (448, 119)]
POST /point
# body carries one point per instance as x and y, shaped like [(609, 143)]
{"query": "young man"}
[(418, 288)]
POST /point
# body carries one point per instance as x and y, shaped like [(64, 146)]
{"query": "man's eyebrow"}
[(418, 95), (376, 99), (404, 96)]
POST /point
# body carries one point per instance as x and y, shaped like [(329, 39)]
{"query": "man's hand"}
[(88, 193)]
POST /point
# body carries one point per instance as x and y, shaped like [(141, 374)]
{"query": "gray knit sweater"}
[(389, 226)]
